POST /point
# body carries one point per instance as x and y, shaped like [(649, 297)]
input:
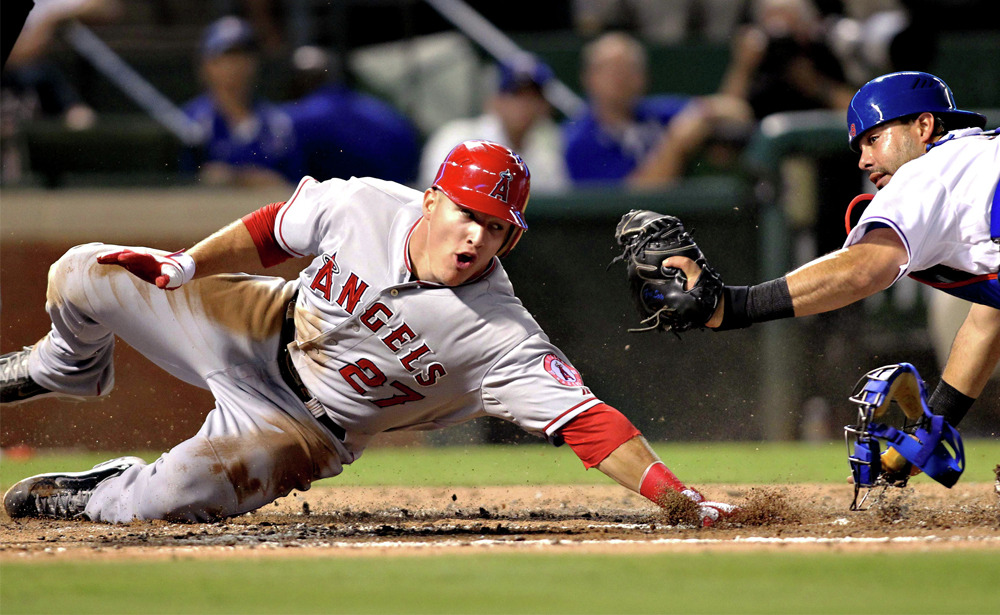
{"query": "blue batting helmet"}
[(897, 95)]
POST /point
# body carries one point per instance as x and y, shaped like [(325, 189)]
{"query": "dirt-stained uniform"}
[(379, 350), (405, 319)]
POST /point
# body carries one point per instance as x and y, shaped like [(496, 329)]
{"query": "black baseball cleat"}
[(61, 495), (17, 385)]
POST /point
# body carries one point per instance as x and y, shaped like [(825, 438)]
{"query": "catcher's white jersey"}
[(385, 352), (940, 204)]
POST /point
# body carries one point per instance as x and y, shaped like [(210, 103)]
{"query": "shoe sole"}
[(52, 395), (16, 498)]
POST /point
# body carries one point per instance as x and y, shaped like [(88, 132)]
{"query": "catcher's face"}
[(887, 147), (453, 244)]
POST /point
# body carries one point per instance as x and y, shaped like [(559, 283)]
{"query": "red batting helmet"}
[(489, 178)]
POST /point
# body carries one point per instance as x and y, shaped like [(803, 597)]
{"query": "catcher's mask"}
[(926, 440), (489, 178)]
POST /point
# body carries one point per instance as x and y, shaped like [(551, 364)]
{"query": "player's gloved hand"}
[(166, 271), (660, 293), (710, 511)]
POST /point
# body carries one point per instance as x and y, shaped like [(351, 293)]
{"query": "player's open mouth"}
[(465, 260)]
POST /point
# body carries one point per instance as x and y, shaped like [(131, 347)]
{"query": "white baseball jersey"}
[(940, 205), (385, 352), (379, 350)]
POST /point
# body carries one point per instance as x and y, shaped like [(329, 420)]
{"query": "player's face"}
[(887, 147), (458, 244)]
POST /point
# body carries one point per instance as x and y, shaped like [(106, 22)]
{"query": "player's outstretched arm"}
[(636, 466), (847, 275), (228, 250), (827, 283), (604, 439)]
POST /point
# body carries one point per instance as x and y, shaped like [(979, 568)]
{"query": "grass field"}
[(476, 581), (513, 583), (713, 462)]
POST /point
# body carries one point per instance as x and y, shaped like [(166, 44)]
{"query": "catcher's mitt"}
[(658, 292)]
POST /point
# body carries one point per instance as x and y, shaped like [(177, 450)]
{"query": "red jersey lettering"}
[(323, 282), (370, 316), (400, 336), (351, 293)]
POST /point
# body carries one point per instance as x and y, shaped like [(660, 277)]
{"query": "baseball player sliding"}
[(405, 319), (936, 218)]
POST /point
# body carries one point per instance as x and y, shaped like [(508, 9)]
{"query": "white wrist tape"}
[(180, 267)]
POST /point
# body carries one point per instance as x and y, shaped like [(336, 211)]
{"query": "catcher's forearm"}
[(827, 283), (950, 403)]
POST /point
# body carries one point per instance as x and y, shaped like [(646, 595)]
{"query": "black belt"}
[(291, 377)]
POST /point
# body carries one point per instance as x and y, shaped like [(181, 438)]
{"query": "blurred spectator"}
[(783, 62), (875, 37), (643, 141), (32, 86), (39, 86), (343, 133), (516, 115), (660, 21), (249, 140)]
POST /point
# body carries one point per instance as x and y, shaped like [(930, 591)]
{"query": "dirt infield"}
[(350, 521)]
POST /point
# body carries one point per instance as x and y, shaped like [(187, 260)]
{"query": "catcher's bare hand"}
[(692, 272), (672, 285)]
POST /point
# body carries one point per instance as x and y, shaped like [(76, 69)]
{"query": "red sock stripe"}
[(658, 480)]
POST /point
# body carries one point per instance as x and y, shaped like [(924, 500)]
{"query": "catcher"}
[(936, 218)]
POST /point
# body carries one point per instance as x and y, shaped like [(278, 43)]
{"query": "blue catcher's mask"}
[(926, 440)]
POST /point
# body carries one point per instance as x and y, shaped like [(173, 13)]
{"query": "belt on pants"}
[(292, 379)]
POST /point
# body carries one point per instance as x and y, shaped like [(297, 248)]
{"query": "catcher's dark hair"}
[(941, 126)]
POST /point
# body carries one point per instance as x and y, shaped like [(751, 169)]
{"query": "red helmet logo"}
[(502, 189)]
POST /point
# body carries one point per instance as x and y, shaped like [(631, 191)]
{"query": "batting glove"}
[(165, 271)]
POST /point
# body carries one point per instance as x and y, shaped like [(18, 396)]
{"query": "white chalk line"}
[(752, 540)]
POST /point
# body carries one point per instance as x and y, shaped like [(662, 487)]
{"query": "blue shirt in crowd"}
[(267, 140), (343, 133), (595, 155)]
